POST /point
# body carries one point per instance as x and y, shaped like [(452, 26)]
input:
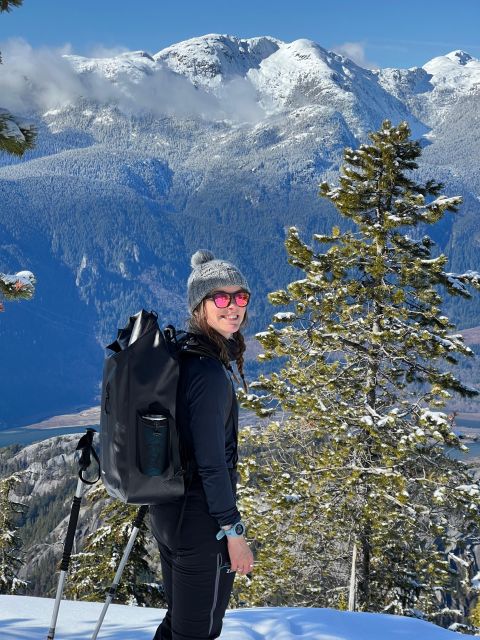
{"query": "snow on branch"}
[(20, 286), (284, 316), (442, 202), (16, 136), (436, 418), (457, 283)]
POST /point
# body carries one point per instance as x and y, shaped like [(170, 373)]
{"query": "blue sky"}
[(397, 33)]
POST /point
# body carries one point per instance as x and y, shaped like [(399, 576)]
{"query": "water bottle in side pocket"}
[(153, 443)]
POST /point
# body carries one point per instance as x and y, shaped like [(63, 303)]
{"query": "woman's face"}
[(226, 321)]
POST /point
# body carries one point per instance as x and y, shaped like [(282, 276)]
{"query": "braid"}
[(240, 359)]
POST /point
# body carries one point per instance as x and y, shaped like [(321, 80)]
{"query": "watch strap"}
[(236, 531)]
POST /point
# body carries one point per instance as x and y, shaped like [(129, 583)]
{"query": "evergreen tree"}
[(93, 569), (6, 5), (475, 615), (360, 457), (10, 541), (16, 137)]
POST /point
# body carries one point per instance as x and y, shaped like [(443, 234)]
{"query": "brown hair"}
[(197, 323)]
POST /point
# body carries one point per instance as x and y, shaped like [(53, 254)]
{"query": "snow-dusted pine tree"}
[(6, 5), (10, 541), (93, 569), (16, 137), (359, 449)]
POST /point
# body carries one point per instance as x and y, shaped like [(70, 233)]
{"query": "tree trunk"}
[(364, 583), (353, 574)]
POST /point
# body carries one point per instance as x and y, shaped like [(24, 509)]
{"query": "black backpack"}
[(140, 450)]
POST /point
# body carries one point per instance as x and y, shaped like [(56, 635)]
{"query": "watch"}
[(235, 531)]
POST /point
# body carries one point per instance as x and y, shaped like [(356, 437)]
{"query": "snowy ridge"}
[(271, 75), (457, 72), (432, 91), (25, 618), (214, 58), (134, 64), (302, 73), (283, 76)]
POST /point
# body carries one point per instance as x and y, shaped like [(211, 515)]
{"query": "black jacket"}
[(207, 418)]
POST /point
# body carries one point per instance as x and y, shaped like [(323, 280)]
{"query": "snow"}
[(208, 60), (455, 72), (435, 417), (134, 64), (10, 127), (23, 617), (284, 316), (24, 280), (219, 76), (475, 581), (469, 276), (469, 489), (302, 73)]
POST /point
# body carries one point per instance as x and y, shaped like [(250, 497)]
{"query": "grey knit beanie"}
[(209, 274)]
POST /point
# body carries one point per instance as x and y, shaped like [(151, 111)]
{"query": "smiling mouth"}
[(230, 317)]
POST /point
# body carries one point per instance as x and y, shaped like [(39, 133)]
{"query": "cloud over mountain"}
[(45, 79)]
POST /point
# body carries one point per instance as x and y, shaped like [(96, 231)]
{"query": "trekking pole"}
[(86, 447), (137, 523)]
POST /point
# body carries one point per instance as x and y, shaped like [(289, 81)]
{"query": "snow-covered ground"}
[(22, 618)]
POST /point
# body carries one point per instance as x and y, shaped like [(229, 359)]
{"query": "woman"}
[(201, 538)]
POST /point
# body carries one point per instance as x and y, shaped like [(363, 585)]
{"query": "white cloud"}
[(35, 79), (38, 80), (356, 52)]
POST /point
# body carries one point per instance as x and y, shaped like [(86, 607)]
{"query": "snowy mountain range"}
[(215, 142)]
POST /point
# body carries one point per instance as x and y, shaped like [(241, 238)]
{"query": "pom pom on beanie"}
[(200, 257)]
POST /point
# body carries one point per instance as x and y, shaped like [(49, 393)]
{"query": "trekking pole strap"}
[(85, 445)]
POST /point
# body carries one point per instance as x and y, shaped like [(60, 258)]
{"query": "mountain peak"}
[(456, 72), (209, 58), (459, 56)]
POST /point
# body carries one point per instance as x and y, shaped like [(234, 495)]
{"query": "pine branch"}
[(7, 5), (16, 136)]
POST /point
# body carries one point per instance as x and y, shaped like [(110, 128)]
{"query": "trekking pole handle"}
[(85, 445)]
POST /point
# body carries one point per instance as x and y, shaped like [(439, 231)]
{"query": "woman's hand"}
[(241, 557)]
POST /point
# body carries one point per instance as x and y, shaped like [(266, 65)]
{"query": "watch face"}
[(239, 529)]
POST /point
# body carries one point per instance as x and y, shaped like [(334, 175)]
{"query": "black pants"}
[(194, 569)]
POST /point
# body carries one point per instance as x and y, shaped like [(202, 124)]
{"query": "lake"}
[(25, 436)]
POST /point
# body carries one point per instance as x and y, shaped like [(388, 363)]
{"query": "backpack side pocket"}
[(153, 442)]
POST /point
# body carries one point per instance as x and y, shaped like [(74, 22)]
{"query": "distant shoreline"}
[(83, 418), (467, 424), (56, 425), (91, 416)]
